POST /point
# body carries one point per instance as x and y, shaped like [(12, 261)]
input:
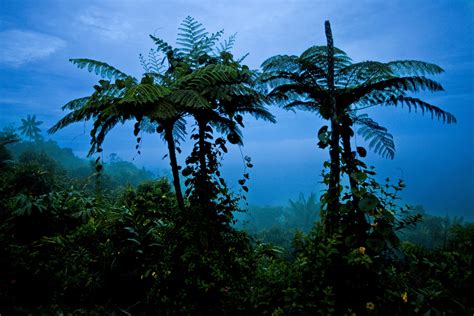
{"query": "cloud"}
[(21, 47), (108, 26)]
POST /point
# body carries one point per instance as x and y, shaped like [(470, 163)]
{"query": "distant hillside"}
[(118, 172)]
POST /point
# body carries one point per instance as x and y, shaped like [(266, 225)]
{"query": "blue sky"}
[(38, 37)]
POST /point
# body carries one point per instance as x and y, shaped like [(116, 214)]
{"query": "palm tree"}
[(323, 79), (30, 128)]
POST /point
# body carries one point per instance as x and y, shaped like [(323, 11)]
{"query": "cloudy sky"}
[(38, 37)]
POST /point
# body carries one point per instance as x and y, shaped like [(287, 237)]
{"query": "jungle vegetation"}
[(75, 240)]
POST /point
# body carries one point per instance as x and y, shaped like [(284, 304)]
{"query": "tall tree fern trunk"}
[(168, 129), (351, 168), (349, 160), (201, 184), (202, 148), (334, 152)]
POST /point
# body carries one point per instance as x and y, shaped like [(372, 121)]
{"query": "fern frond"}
[(179, 130), (380, 140), (102, 126), (226, 126), (258, 112), (189, 99), (363, 73), (416, 104), (414, 67), (144, 93), (206, 44), (99, 68), (163, 46), (192, 32), (228, 44), (302, 105), (393, 85), (76, 104), (317, 55), (209, 75), (287, 63)]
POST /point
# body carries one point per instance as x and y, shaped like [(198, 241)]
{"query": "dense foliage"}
[(73, 241)]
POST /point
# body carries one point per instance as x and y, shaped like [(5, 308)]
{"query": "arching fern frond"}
[(99, 68), (287, 63), (179, 130), (380, 140), (258, 112), (318, 55), (363, 73), (392, 85), (163, 46), (145, 93), (414, 67), (302, 105), (76, 104), (226, 126), (190, 99), (102, 126), (416, 104), (209, 75)]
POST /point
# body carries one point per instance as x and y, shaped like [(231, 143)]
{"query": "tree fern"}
[(301, 82)]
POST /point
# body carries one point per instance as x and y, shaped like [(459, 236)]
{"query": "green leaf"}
[(368, 203), (359, 176)]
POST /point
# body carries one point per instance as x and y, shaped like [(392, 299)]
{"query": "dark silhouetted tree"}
[(323, 79)]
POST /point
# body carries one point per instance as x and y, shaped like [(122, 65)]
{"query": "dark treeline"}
[(76, 239)]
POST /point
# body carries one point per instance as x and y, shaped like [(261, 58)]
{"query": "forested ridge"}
[(99, 236)]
